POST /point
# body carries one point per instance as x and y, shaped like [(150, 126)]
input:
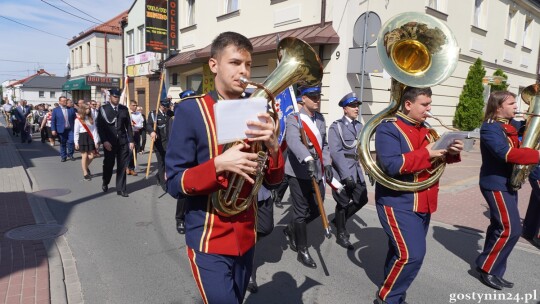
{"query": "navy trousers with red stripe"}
[(502, 233), (220, 278), (406, 231)]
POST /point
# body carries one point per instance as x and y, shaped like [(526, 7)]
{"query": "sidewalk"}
[(24, 265)]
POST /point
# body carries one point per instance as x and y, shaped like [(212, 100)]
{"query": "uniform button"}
[(192, 189)]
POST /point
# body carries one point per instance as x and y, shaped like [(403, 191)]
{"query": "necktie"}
[(66, 122), (354, 122), (115, 108)]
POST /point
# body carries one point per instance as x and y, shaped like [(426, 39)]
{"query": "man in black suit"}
[(114, 128)]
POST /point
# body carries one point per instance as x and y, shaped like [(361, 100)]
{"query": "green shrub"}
[(470, 109)]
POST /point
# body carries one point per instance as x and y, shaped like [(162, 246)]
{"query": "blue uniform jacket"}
[(499, 145), (191, 173), (400, 144), (343, 149)]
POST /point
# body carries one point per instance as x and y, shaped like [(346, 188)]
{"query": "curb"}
[(64, 283)]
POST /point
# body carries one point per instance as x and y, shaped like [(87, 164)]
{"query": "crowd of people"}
[(194, 169)]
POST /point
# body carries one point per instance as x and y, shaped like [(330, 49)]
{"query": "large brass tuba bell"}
[(531, 96), (416, 50), (298, 63)]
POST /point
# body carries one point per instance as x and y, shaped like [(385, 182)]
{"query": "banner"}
[(172, 25), (208, 79), (156, 26), (284, 105)]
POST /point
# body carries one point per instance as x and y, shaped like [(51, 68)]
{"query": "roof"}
[(24, 80), (110, 27), (45, 82), (312, 34)]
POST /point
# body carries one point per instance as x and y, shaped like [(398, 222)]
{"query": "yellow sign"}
[(208, 79)]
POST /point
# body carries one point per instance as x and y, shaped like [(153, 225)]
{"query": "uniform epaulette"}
[(389, 119), (192, 96)]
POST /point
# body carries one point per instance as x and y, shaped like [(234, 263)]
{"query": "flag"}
[(125, 93), (284, 107), (163, 91)]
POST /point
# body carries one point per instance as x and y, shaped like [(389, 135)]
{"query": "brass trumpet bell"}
[(416, 50)]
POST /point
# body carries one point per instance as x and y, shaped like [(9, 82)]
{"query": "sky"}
[(24, 50)]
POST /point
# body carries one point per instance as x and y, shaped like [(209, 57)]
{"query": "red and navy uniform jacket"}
[(400, 143), (499, 145), (191, 173)]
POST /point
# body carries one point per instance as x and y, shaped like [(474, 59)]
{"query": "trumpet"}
[(526, 113)]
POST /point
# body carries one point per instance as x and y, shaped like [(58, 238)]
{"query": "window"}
[(73, 59), (480, 13), (175, 79), (438, 5), (80, 57), (130, 43), (511, 25), (194, 82), (140, 38), (88, 57), (231, 6), (527, 33), (190, 12), (52, 94), (41, 94)]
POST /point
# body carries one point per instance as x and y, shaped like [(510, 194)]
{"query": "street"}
[(127, 250)]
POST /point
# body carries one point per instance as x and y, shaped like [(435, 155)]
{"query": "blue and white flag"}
[(284, 105)]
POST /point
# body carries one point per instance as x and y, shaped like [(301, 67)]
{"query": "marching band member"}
[(342, 142), (220, 247), (403, 145), (499, 146), (301, 166)]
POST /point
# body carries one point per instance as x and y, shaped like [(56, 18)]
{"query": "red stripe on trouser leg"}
[(403, 254), (196, 274), (501, 241)]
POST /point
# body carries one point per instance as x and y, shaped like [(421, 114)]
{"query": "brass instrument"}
[(298, 63), (416, 50), (531, 96)]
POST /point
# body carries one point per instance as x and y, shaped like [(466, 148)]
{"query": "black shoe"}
[(180, 227), (63, 160), (89, 173), (290, 237), (87, 177), (279, 205), (72, 158), (252, 286), (305, 258), (343, 241), (378, 299), (489, 279), (122, 193), (104, 188), (504, 283)]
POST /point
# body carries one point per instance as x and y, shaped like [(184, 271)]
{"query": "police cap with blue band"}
[(187, 93), (310, 90), (115, 92), (348, 99), (165, 102)]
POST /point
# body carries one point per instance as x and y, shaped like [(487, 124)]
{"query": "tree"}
[(503, 85), (470, 109)]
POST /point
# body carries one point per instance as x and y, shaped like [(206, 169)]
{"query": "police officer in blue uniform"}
[(181, 201), (301, 165), (342, 141)]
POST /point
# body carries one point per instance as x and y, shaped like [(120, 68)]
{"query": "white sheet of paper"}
[(448, 138), (232, 117)]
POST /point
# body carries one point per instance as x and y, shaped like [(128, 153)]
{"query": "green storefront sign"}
[(75, 85)]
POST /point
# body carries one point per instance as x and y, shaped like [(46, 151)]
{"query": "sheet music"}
[(232, 117), (448, 138)]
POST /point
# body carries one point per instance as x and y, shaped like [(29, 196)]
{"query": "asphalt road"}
[(128, 251)]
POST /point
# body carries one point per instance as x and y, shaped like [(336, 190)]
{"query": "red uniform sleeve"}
[(276, 170), (415, 161), (522, 156), (202, 179)]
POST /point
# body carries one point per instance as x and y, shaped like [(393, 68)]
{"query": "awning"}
[(76, 85), (312, 34)]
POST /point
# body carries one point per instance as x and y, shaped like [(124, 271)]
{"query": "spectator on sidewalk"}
[(62, 123), (500, 150), (86, 138)]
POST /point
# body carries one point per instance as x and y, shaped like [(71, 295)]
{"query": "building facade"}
[(95, 62), (503, 33), (38, 88)]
